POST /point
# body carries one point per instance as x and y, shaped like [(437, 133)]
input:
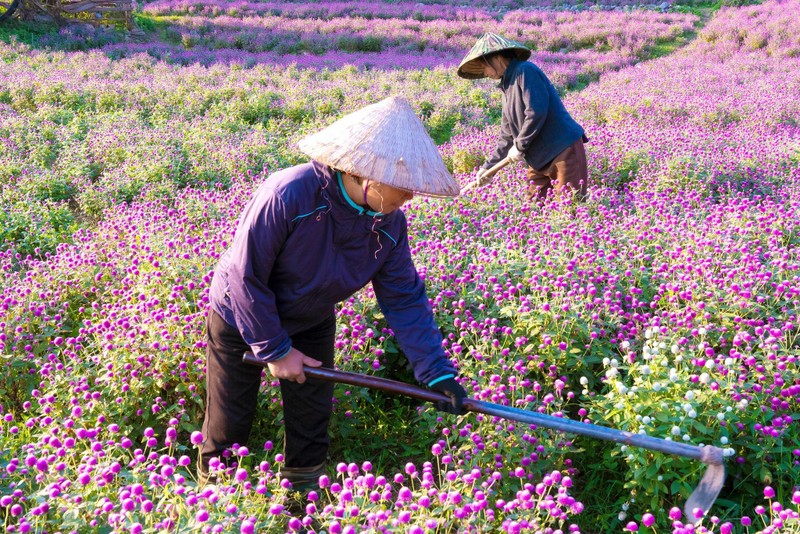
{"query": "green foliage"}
[(464, 160), (35, 228), (441, 125), (357, 43)]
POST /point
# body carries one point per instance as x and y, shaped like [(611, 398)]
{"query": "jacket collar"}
[(333, 190), (360, 209), (509, 74)]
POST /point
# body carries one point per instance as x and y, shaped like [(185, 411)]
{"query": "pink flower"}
[(196, 438)]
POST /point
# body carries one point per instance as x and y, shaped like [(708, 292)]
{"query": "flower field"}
[(666, 304)]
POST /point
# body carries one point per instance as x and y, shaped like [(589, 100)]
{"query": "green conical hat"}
[(471, 66)]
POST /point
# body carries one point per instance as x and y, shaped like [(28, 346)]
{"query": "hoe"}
[(701, 498)]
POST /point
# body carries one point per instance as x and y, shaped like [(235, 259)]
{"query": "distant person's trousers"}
[(232, 388), (567, 174)]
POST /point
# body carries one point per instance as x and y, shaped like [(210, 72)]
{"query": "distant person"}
[(311, 236), (535, 126)]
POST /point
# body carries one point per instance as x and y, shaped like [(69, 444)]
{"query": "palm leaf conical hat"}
[(385, 142), (471, 66)]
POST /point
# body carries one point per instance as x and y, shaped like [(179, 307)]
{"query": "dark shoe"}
[(303, 479)]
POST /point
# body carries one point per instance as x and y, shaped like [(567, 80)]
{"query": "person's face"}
[(385, 198), (494, 67)]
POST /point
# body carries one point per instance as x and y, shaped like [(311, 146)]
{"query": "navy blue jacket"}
[(534, 117), (301, 246)]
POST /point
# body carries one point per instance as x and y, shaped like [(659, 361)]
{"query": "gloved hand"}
[(483, 177), (514, 155), (457, 394)]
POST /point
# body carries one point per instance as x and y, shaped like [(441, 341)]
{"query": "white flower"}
[(679, 358), (622, 516), (614, 363), (657, 387), (625, 507), (625, 344), (705, 378), (676, 430), (721, 416), (584, 380), (638, 417), (728, 452), (622, 388), (723, 440), (702, 331), (710, 364), (623, 448), (606, 361), (662, 345), (659, 478), (689, 395), (692, 414), (645, 369), (687, 437), (619, 405), (646, 419), (611, 373), (675, 349), (648, 334)]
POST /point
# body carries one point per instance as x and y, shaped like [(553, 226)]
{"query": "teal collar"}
[(360, 209)]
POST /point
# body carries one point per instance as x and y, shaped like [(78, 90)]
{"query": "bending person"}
[(313, 235), (535, 127)]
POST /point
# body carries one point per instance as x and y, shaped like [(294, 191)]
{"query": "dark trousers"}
[(567, 173), (232, 393)]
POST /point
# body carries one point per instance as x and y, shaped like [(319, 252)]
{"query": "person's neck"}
[(354, 190)]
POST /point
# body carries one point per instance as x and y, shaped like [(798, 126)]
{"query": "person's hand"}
[(483, 177), (514, 155), (457, 394), (290, 367)]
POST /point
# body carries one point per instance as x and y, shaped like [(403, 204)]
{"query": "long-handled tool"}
[(491, 172), (702, 497)]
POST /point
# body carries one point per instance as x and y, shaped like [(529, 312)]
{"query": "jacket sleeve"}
[(532, 101), (402, 298), (259, 237)]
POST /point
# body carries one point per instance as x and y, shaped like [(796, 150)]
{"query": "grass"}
[(26, 32)]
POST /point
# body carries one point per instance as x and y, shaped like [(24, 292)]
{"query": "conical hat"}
[(385, 142), (471, 66)]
